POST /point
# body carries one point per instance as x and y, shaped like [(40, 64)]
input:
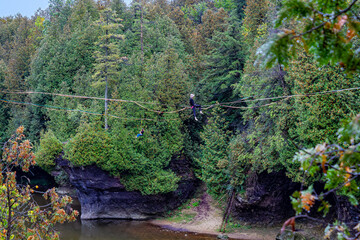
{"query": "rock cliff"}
[(103, 196)]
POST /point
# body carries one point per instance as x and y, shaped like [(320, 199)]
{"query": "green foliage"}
[(224, 64), (275, 129), (325, 29), (166, 75), (255, 19), (4, 110), (49, 149), (107, 54), (196, 11), (196, 204), (56, 67), (214, 158), (226, 4), (239, 8), (268, 122), (89, 146), (240, 156), (139, 163), (108, 60), (338, 163), (161, 181), (83, 13), (169, 52), (318, 117)]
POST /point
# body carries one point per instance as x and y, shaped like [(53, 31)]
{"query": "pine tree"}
[(214, 159), (319, 117), (254, 20), (107, 56), (224, 64), (167, 76), (4, 110)]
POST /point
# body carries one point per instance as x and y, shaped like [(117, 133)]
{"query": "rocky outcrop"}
[(266, 198), (345, 211), (103, 196)]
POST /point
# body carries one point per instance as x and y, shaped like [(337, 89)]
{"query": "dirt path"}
[(206, 218)]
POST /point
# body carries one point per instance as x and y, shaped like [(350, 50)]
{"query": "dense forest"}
[(84, 77)]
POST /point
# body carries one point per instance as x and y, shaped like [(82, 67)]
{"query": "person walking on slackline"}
[(193, 106)]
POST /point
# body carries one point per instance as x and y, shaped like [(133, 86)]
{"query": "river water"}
[(122, 230), (118, 229)]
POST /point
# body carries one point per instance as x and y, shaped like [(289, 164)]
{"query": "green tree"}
[(224, 64), (107, 56), (166, 75), (57, 67), (89, 146), (268, 122), (4, 110), (139, 163), (255, 21), (83, 13), (228, 5), (185, 26), (211, 21), (214, 158), (49, 149), (19, 40), (318, 117)]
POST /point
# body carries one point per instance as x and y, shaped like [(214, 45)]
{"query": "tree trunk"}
[(106, 103), (106, 88), (141, 34), (227, 211)]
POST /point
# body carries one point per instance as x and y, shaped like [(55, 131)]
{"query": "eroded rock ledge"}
[(103, 196)]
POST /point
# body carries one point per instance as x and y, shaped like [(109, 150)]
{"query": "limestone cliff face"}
[(103, 196), (267, 200)]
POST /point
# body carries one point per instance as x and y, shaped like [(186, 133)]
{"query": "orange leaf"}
[(341, 20), (307, 201), (350, 34)]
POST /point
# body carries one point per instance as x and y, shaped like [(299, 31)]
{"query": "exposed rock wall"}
[(102, 196), (266, 198)]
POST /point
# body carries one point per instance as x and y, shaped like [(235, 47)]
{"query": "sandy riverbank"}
[(202, 216)]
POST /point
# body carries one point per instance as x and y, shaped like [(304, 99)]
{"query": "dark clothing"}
[(193, 106), (192, 102)]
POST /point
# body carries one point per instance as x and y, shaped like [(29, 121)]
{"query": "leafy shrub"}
[(89, 146), (49, 149), (161, 181), (140, 162)]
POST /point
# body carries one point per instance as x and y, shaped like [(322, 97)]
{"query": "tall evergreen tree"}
[(108, 55), (214, 158), (224, 64)]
